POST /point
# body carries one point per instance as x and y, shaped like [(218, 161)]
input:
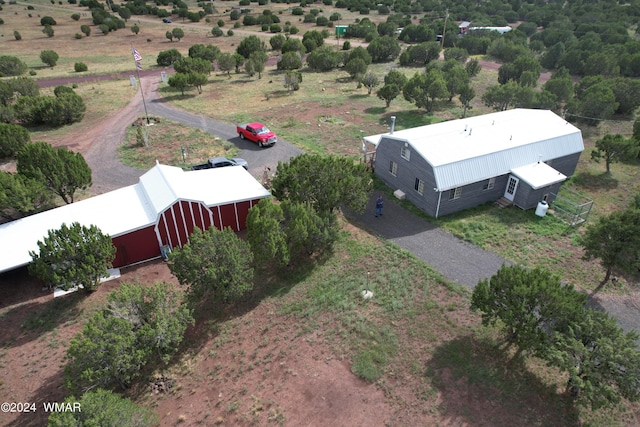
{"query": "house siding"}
[(471, 195), (408, 171), (528, 198), (566, 165)]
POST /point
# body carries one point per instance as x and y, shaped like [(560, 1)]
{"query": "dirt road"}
[(99, 144)]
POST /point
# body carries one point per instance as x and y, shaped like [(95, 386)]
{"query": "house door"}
[(512, 185)]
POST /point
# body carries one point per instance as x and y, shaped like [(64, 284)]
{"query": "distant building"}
[(522, 155), (501, 30)]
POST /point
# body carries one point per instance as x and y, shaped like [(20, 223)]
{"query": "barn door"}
[(512, 185)]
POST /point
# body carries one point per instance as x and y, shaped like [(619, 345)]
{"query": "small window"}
[(405, 153), (393, 168), (419, 186), (455, 193), (489, 184)]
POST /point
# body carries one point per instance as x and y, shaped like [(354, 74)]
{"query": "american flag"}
[(136, 55), (138, 66)]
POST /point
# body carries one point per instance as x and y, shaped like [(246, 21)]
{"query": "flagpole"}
[(138, 66)]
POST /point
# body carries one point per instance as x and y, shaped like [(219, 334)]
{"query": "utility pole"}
[(444, 30)]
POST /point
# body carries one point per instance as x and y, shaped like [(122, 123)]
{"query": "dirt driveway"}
[(99, 143)]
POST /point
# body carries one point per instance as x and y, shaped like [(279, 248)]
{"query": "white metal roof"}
[(130, 208), (538, 175), (475, 148)]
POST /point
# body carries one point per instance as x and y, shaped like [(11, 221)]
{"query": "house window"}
[(455, 193), (393, 168), (405, 153), (419, 186), (489, 184)]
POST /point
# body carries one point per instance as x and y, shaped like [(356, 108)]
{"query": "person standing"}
[(379, 205)]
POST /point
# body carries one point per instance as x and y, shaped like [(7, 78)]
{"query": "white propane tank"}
[(542, 208)]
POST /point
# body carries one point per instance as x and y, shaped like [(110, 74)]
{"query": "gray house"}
[(521, 155)]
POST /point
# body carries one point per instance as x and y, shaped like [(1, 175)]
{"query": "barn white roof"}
[(130, 208), (476, 148)]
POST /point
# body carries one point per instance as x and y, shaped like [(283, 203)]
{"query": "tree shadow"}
[(50, 391), (595, 181), (375, 110), (344, 80), (408, 118), (359, 95), (178, 96), (279, 94), (17, 287), (473, 376), (30, 321)]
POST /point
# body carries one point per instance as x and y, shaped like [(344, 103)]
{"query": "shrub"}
[(48, 30), (12, 139), (78, 36), (80, 66), (168, 57), (49, 57), (75, 16), (216, 32), (16, 35), (47, 20), (11, 66), (60, 90), (141, 326), (102, 407), (230, 33)]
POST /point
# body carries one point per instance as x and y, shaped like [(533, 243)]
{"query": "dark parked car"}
[(220, 162), (166, 20)]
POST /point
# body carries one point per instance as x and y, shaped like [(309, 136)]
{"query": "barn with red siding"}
[(161, 210)]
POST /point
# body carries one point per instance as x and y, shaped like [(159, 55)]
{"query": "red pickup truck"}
[(258, 133)]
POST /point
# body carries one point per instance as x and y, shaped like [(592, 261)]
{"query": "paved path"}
[(458, 261)]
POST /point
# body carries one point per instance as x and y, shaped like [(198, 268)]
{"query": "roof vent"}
[(470, 129), (393, 124)]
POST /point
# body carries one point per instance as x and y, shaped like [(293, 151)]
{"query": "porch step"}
[(503, 202)]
